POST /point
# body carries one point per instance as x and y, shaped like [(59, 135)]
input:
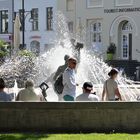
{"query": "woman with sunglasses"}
[(69, 82)]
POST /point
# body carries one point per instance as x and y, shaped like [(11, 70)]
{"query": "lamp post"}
[(23, 15), (23, 24)]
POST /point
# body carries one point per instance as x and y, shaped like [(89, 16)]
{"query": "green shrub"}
[(112, 48), (3, 50), (26, 53)]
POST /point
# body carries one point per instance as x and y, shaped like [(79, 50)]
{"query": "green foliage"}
[(70, 137), (3, 49), (26, 53), (112, 48), (3, 54)]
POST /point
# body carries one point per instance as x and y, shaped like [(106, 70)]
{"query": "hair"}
[(113, 72), (72, 59), (66, 57), (2, 84), (88, 87), (29, 83), (73, 40)]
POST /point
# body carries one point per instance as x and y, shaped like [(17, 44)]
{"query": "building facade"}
[(39, 26), (6, 20), (96, 22), (105, 22)]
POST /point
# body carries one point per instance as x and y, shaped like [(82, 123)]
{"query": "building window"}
[(4, 21), (48, 47), (96, 32), (70, 5), (70, 26), (125, 46), (127, 26), (49, 18), (35, 19), (123, 2), (126, 39), (94, 3), (35, 47)]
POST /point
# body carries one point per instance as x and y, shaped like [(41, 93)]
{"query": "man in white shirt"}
[(87, 93), (69, 82)]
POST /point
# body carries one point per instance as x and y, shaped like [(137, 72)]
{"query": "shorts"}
[(68, 98)]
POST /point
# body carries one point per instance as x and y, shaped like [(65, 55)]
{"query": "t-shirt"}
[(69, 83), (110, 86), (4, 97), (28, 95), (87, 97)]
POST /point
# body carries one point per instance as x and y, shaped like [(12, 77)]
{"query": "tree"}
[(27, 66), (27, 54), (3, 51)]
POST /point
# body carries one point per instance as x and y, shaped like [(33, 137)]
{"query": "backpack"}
[(58, 85)]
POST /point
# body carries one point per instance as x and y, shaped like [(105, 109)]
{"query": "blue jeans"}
[(68, 98)]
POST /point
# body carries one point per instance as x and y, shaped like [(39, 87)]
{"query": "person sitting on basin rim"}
[(111, 87), (4, 97), (69, 82), (28, 94), (87, 93)]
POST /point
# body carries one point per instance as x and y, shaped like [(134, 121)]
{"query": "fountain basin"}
[(71, 117)]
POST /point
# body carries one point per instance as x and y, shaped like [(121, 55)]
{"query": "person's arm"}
[(19, 95), (57, 73), (10, 97), (104, 92), (77, 99), (17, 98), (117, 93), (69, 80), (41, 98)]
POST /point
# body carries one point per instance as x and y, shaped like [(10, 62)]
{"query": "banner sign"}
[(123, 10)]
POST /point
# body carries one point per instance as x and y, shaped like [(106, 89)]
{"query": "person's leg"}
[(60, 97), (68, 98)]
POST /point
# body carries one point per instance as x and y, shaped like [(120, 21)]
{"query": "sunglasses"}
[(74, 63)]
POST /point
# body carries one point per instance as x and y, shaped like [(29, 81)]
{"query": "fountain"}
[(42, 68)]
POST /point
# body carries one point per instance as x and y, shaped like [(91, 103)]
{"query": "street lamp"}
[(23, 24), (23, 14)]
